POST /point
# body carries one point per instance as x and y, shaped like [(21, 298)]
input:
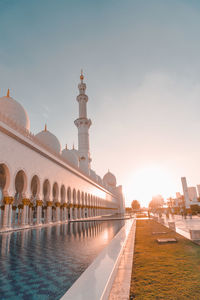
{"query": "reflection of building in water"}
[(39, 183), (76, 231)]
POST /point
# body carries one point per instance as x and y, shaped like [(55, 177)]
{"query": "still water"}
[(43, 263)]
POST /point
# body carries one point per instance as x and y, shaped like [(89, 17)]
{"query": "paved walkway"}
[(183, 225), (121, 287)]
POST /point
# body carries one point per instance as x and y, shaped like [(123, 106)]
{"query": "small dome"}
[(71, 157), (93, 175), (75, 152), (99, 179), (110, 179), (14, 111), (49, 139)]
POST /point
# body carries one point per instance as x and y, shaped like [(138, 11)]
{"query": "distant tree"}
[(156, 202), (135, 204)]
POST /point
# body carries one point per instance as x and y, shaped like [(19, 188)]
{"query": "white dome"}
[(93, 175), (14, 111), (99, 179), (71, 157), (50, 140), (110, 179)]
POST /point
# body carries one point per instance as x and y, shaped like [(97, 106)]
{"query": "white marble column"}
[(24, 217), (5, 216), (75, 213), (49, 212), (61, 214), (64, 214), (7, 213), (38, 212), (13, 215), (79, 213), (23, 214), (71, 212), (10, 216), (27, 214), (57, 217), (30, 214)]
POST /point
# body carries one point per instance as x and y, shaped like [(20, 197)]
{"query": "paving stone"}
[(165, 241)]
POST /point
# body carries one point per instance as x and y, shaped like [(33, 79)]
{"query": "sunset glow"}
[(147, 182)]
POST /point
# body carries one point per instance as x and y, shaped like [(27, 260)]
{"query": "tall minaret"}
[(83, 124)]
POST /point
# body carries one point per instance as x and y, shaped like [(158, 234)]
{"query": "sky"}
[(142, 69)]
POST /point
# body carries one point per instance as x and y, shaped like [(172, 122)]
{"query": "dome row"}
[(15, 111)]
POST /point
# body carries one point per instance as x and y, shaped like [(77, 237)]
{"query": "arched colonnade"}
[(34, 202)]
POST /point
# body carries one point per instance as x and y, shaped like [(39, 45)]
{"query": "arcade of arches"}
[(58, 203)]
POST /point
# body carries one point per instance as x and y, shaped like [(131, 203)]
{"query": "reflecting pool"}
[(43, 263)]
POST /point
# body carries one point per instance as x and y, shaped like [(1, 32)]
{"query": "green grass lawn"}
[(170, 271)]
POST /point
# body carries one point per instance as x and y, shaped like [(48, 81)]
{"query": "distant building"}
[(198, 189), (185, 192), (192, 191)]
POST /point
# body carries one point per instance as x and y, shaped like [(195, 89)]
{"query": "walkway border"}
[(96, 281), (121, 286)]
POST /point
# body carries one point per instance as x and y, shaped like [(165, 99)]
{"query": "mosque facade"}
[(39, 182)]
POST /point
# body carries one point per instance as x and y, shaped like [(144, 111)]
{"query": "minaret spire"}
[(81, 77), (83, 124)]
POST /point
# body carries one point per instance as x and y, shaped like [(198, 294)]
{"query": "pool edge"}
[(102, 271)]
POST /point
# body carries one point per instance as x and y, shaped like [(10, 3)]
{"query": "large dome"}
[(14, 111), (71, 157), (110, 179), (49, 139)]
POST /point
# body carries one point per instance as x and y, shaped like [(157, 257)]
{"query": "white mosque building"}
[(39, 183)]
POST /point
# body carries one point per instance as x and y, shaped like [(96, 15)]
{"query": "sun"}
[(147, 182)]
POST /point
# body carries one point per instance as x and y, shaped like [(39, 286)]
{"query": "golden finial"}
[(66, 146), (8, 93), (45, 127), (81, 77)]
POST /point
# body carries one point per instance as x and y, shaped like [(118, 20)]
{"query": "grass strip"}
[(164, 271)]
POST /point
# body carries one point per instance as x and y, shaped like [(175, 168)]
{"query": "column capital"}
[(57, 204), (39, 202), (49, 203), (26, 201), (8, 200), (31, 205)]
